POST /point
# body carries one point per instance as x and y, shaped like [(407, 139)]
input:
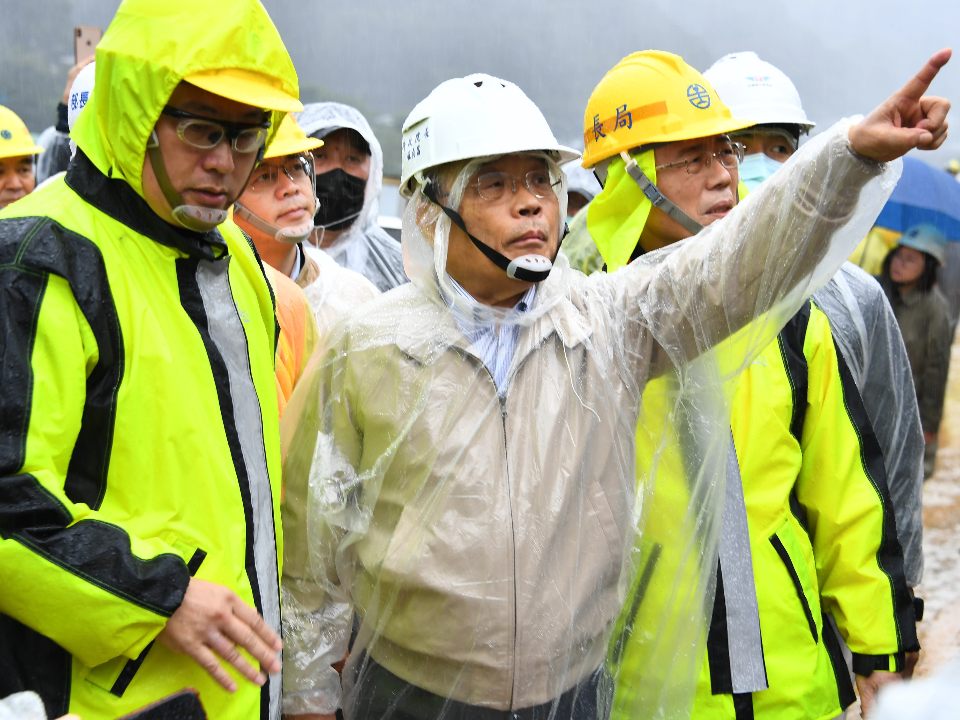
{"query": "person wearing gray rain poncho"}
[(459, 462), (349, 178)]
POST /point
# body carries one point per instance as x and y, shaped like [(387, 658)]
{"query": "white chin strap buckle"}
[(529, 263), (296, 234), (199, 219)]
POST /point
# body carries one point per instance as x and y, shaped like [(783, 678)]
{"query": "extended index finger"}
[(918, 84)]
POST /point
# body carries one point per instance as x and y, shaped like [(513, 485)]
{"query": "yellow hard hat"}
[(246, 86), (651, 97), (15, 139), (290, 140)]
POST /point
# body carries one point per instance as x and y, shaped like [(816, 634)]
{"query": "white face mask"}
[(756, 168)]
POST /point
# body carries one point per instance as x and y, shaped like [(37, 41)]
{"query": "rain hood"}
[(141, 65), (364, 247)]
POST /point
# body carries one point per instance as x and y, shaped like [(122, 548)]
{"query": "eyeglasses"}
[(758, 133), (729, 157), (204, 133), (492, 186), (265, 177)]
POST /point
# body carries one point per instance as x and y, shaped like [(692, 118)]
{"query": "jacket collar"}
[(441, 330), (117, 199)]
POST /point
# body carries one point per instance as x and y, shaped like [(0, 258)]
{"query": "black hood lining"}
[(117, 199)]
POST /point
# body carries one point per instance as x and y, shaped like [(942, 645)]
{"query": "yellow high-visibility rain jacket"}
[(139, 439), (822, 539)]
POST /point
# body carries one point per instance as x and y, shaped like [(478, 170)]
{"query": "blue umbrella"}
[(924, 194)]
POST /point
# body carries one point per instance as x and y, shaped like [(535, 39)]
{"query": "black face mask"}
[(340, 197)]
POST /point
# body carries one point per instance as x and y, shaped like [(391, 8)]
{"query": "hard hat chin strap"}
[(657, 198), (292, 235), (192, 217), (529, 268)]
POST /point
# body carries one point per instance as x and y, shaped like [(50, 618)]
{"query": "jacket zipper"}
[(502, 400), (513, 535)]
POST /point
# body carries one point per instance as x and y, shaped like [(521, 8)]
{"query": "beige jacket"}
[(481, 538)]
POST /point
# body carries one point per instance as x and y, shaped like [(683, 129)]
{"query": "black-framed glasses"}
[(729, 156), (206, 134), (296, 167), (492, 186)]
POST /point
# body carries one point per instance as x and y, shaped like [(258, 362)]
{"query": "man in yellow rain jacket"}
[(139, 455), (808, 525)]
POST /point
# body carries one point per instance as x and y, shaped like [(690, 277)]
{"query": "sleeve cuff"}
[(918, 608), (866, 665)]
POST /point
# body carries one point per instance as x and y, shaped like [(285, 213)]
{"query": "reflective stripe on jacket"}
[(138, 445)]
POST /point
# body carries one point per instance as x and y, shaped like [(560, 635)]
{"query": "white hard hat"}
[(580, 180), (471, 117), (80, 92), (756, 90)]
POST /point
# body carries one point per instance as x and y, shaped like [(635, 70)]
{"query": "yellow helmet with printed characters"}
[(651, 97)]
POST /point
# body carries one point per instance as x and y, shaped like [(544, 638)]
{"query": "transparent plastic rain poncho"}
[(484, 540), (336, 291), (866, 332), (364, 247), (57, 155)]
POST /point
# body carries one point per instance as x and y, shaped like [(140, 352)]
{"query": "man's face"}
[(705, 196), (280, 192), (16, 179), (211, 178), (339, 150), (517, 223), (775, 145)]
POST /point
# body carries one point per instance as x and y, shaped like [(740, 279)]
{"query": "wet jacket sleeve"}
[(87, 583), (866, 332), (843, 493), (932, 386), (775, 247)]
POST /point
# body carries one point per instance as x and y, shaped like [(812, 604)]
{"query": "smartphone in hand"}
[(85, 41), (184, 705)]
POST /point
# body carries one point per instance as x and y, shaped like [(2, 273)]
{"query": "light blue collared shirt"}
[(494, 344)]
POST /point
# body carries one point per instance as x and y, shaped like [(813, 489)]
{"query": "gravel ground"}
[(940, 589)]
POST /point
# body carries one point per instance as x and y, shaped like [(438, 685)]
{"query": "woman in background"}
[(909, 278)]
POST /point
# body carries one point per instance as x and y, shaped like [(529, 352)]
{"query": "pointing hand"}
[(908, 119)]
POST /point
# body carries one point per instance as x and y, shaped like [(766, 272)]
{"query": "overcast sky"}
[(385, 55)]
